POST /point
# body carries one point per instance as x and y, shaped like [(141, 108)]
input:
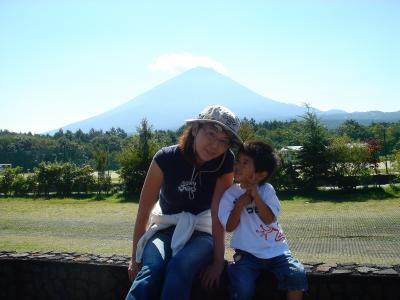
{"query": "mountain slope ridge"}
[(168, 104)]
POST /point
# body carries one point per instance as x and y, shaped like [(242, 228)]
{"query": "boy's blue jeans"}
[(244, 272), (165, 277)]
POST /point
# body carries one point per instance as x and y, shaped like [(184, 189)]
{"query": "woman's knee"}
[(192, 258), (180, 268), (149, 276), (147, 283)]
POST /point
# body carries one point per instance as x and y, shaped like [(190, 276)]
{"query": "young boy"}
[(251, 209)]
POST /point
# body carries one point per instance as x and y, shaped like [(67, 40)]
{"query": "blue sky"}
[(64, 61)]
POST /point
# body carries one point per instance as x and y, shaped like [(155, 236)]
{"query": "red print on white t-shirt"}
[(263, 232)]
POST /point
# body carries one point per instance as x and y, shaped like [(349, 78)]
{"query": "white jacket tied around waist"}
[(186, 223)]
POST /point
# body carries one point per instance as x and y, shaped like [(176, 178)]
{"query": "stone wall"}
[(56, 275)]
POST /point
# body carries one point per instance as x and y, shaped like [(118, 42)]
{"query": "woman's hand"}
[(211, 275), (133, 269)]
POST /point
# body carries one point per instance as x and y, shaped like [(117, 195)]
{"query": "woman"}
[(185, 234)]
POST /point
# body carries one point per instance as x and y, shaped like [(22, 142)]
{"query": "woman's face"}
[(209, 142)]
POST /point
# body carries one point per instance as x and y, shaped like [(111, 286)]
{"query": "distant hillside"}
[(167, 105), (364, 118)]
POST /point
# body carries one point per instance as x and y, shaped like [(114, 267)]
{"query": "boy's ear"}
[(261, 175)]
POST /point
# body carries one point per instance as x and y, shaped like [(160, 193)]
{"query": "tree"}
[(100, 157), (349, 162), (66, 180), (353, 130), (63, 178), (111, 144), (22, 185), (313, 156), (374, 146), (281, 133), (58, 177), (136, 157), (7, 179), (83, 179), (145, 134), (396, 160), (246, 130), (164, 138), (287, 177)]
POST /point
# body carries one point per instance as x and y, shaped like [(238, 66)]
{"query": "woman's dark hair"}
[(264, 157), (186, 142)]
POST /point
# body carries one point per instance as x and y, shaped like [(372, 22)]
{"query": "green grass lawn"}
[(324, 226)]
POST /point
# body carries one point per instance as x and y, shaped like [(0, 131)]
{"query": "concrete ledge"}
[(55, 275)]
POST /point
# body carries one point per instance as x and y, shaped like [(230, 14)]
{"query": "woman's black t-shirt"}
[(185, 187)]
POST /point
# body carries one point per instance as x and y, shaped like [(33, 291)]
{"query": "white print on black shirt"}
[(188, 186)]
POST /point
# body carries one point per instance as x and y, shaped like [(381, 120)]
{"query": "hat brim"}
[(236, 138)]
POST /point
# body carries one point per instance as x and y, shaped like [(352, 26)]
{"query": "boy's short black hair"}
[(264, 157)]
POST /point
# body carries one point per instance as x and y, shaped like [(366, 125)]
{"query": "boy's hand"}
[(250, 184), (244, 199)]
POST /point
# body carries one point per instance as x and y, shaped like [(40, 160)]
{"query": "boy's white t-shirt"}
[(252, 234)]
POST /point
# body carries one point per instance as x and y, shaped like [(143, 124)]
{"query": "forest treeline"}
[(351, 152)]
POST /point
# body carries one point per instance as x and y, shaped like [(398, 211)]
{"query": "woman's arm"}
[(148, 197), (213, 273)]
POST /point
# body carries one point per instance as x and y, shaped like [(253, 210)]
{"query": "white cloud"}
[(176, 63)]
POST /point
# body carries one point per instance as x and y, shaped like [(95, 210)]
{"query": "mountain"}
[(167, 105), (332, 111), (333, 120)]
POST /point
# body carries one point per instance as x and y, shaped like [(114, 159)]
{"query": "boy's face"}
[(245, 171), (244, 168)]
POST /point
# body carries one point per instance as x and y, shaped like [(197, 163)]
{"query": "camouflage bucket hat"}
[(222, 116)]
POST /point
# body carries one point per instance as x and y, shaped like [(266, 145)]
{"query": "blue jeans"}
[(244, 272), (164, 276)]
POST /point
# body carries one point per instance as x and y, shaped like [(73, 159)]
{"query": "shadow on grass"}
[(124, 198), (117, 198), (51, 196), (331, 195)]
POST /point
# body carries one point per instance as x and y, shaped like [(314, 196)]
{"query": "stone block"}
[(39, 276)]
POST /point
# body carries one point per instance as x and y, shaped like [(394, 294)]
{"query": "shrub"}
[(7, 179)]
